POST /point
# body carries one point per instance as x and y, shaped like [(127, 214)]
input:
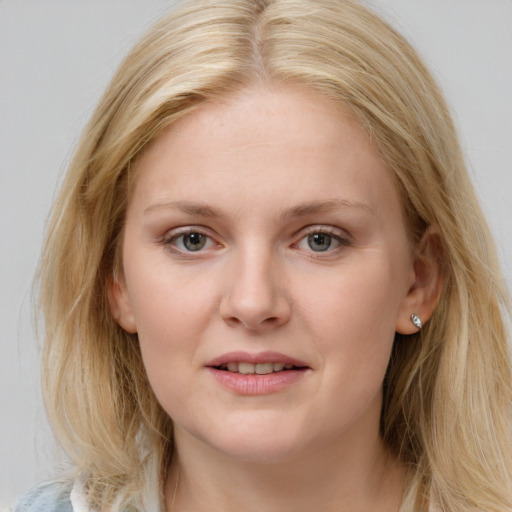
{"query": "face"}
[(265, 269)]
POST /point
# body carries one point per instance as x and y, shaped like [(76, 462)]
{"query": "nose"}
[(255, 297)]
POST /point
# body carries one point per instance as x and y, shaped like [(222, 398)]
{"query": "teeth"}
[(245, 368), (263, 368), (233, 367), (259, 368)]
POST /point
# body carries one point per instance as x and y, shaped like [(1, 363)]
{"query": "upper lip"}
[(255, 358)]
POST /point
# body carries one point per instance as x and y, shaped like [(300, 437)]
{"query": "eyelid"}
[(333, 231), (341, 236), (183, 230), (173, 234)]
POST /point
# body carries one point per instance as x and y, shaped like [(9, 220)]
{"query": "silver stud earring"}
[(416, 320)]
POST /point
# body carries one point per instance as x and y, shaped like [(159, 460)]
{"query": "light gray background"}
[(56, 57)]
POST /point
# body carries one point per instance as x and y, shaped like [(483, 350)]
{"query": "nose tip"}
[(255, 318), (255, 299)]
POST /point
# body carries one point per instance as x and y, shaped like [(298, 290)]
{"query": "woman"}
[(267, 283)]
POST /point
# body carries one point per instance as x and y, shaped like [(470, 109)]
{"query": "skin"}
[(256, 175)]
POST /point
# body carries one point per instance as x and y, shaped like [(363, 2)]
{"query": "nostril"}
[(255, 304)]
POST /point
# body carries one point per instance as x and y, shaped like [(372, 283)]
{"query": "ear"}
[(120, 304), (429, 277)]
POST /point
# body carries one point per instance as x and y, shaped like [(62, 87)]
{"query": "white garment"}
[(78, 497)]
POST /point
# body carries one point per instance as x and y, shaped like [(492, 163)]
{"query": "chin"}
[(259, 452), (258, 443)]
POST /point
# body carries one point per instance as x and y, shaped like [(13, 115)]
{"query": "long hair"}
[(446, 409)]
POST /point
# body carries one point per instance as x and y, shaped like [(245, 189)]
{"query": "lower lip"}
[(254, 384)]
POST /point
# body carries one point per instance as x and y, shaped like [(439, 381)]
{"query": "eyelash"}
[(170, 240), (331, 232)]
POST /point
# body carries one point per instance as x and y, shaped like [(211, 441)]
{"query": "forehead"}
[(266, 143)]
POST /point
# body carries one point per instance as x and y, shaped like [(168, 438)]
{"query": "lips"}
[(256, 374), (261, 363), (258, 368)]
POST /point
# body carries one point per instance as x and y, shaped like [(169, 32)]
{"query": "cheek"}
[(353, 324), (358, 302), (173, 310), (168, 301)]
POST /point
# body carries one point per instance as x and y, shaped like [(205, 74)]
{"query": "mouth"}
[(263, 373), (246, 368), (261, 363)]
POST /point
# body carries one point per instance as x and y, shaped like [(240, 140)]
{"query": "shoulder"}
[(49, 497)]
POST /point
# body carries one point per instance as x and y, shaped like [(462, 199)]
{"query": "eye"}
[(190, 241), (321, 240), (194, 241)]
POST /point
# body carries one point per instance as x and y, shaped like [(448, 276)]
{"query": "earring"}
[(416, 320)]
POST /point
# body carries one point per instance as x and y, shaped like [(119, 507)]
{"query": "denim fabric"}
[(52, 497)]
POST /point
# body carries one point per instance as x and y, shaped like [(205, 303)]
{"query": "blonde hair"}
[(446, 410)]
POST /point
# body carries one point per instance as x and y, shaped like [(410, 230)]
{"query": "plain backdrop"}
[(56, 57)]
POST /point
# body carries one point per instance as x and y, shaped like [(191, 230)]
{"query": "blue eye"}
[(192, 241), (322, 240), (319, 242)]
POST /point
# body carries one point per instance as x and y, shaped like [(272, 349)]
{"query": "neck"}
[(339, 476)]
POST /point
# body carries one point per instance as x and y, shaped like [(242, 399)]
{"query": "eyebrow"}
[(323, 207), (302, 210), (190, 207)]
